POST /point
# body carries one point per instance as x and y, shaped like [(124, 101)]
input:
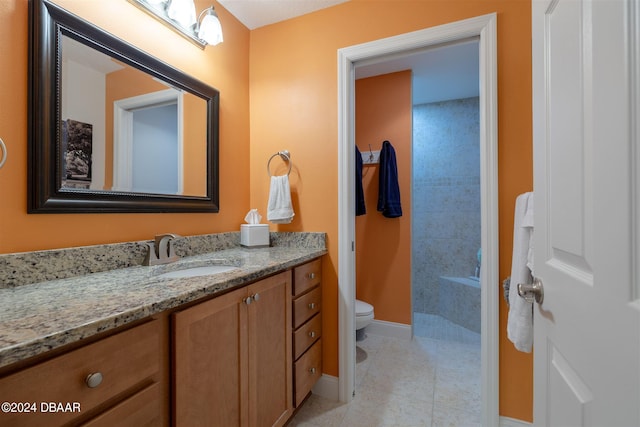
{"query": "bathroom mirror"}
[(111, 128)]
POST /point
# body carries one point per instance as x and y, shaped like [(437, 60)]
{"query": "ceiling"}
[(439, 73), (258, 13), (91, 58)]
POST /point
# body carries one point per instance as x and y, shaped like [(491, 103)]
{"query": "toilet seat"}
[(364, 314), (363, 309)]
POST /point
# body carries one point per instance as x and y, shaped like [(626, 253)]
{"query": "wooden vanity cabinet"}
[(118, 380), (306, 328), (244, 358), (232, 358)]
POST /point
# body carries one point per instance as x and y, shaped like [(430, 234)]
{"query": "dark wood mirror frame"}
[(48, 23)]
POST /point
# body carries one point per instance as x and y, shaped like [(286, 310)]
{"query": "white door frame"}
[(485, 28), (123, 134)]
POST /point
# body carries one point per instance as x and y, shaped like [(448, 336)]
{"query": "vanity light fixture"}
[(180, 15)]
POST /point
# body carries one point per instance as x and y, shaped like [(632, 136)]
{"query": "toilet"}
[(364, 316)]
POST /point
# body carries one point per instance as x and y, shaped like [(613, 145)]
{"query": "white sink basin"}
[(197, 271)]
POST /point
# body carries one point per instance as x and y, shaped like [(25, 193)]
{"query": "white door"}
[(585, 123)]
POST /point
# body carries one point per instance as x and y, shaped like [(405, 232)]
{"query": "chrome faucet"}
[(161, 251)]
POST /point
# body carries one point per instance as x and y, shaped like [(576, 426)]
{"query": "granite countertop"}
[(38, 317)]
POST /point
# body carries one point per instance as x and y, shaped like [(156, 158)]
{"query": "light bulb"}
[(210, 29), (183, 12)]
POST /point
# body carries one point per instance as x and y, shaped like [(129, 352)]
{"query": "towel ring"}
[(284, 154), (3, 148)]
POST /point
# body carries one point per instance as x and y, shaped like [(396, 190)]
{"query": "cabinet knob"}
[(312, 334), (312, 371), (312, 275), (248, 300), (256, 297), (312, 305), (93, 380)]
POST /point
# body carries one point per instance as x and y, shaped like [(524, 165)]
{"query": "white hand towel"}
[(520, 320), (279, 209), (527, 221)]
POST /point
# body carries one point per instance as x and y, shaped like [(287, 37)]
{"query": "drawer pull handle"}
[(312, 275), (312, 371), (312, 334), (93, 380), (256, 297), (312, 305), (248, 300)]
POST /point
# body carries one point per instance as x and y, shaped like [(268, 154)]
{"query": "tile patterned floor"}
[(430, 381)]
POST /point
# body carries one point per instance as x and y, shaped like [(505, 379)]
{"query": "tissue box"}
[(254, 235)]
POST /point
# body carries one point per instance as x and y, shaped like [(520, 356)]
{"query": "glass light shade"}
[(183, 12), (210, 29)]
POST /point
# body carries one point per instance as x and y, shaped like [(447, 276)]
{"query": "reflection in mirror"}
[(125, 133), (137, 145)]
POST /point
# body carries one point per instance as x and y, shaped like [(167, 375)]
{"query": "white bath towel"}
[(279, 209), (520, 320)]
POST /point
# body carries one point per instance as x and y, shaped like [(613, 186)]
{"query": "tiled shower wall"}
[(446, 196)]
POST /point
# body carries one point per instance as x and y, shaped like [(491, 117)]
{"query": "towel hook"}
[(284, 154), (3, 148)]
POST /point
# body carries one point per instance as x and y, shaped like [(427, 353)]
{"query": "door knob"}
[(532, 292)]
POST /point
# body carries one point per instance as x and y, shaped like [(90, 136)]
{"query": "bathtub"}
[(459, 301)]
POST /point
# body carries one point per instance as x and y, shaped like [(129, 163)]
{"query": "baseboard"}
[(327, 387), (512, 422), (389, 329)]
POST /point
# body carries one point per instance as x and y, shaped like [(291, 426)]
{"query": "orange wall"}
[(225, 67), (383, 245), (294, 106), (194, 160)]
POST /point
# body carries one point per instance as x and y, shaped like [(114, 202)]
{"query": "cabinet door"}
[(210, 359), (270, 378)]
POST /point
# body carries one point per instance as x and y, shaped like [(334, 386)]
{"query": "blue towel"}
[(388, 190), (360, 206)]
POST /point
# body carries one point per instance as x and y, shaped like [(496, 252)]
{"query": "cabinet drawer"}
[(142, 409), (306, 335), (307, 276), (306, 306), (307, 371), (124, 360)]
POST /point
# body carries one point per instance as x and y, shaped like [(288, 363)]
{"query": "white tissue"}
[(253, 217)]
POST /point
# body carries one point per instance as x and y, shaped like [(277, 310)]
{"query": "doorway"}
[(148, 143), (483, 27)]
